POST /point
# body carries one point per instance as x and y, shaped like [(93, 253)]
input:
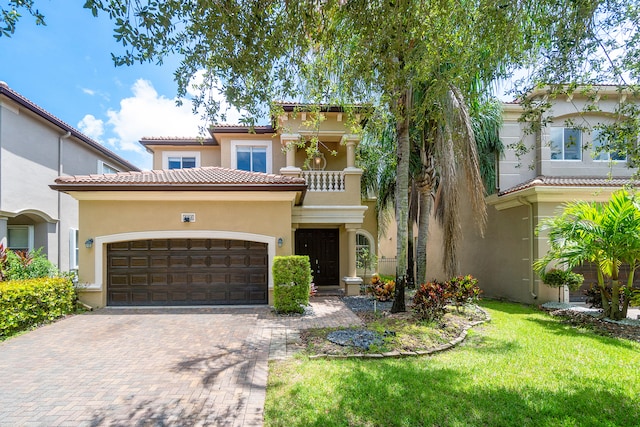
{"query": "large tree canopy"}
[(350, 51)]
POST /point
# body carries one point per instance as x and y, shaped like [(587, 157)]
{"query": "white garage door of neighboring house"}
[(170, 272)]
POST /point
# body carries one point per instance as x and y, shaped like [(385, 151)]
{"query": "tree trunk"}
[(423, 230), (411, 262), (402, 198)]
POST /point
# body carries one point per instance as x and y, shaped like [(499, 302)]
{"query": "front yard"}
[(524, 368)]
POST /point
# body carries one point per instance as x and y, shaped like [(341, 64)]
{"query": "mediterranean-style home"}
[(559, 166), (203, 227), (35, 148)]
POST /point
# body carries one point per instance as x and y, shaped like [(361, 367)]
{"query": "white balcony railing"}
[(324, 180)]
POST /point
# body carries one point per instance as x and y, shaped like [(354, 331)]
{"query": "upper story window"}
[(252, 156), (599, 154), (566, 144), (106, 168), (180, 159)]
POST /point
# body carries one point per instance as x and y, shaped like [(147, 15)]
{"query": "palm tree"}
[(606, 234)]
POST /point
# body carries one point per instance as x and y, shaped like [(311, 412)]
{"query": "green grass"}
[(522, 369)]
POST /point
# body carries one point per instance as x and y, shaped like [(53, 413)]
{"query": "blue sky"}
[(65, 67)]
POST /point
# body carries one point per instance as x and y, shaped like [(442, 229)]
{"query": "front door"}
[(322, 247)]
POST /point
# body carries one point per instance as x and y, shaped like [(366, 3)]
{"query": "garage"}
[(176, 272)]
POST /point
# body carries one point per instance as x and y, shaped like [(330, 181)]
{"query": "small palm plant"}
[(605, 234)]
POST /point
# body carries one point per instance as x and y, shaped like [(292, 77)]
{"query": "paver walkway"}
[(127, 367)]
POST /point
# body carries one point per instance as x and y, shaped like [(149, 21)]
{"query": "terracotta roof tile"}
[(195, 176), (570, 181)]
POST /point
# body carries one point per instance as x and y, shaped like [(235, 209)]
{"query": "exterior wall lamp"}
[(280, 242), (88, 243)]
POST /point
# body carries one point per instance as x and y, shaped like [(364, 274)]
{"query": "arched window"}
[(365, 251)]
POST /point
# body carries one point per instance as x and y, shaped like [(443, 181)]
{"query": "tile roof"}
[(570, 181), (179, 177), (26, 103)]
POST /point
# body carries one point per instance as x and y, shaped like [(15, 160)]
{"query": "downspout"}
[(60, 172), (531, 232)]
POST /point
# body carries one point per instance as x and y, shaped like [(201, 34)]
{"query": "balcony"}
[(328, 181)]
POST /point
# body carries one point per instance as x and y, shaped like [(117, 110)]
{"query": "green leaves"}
[(27, 303), (10, 15)]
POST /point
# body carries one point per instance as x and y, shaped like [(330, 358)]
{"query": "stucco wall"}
[(33, 153), (104, 218)]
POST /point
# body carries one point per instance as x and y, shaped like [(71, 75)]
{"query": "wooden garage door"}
[(186, 272)]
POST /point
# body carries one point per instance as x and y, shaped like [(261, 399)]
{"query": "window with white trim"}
[(180, 159), (364, 251), (74, 248), (106, 168), (252, 156), (566, 143), (20, 237), (599, 155)]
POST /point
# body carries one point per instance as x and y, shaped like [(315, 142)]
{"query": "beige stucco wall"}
[(209, 155), (103, 218)]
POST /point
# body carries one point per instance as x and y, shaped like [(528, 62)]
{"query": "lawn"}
[(524, 368)]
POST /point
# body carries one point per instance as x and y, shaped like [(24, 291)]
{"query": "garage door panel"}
[(139, 262), (238, 260), (159, 245), (187, 272), (139, 280), (199, 261), (119, 261), (118, 280), (219, 261)]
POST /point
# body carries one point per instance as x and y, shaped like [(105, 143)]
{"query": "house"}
[(203, 227), (560, 166), (35, 148)]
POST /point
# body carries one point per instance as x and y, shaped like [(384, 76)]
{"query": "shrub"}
[(21, 265), (27, 303), (430, 300), (292, 281), (382, 287), (557, 278), (464, 290)]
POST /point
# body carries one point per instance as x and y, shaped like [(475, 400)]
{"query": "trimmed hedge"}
[(27, 303), (292, 281)]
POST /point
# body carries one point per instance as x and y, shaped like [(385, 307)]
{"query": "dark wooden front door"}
[(322, 247), (187, 272)]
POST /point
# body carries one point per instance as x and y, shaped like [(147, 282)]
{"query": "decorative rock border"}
[(403, 354)]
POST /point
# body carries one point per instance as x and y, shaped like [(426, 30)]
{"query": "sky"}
[(66, 68)]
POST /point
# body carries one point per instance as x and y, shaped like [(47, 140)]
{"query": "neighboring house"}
[(35, 148), (560, 167), (204, 226)]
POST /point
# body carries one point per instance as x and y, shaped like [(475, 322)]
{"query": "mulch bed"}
[(601, 326), (405, 333)]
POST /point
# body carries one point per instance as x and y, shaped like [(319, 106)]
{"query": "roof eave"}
[(299, 188), (64, 126)]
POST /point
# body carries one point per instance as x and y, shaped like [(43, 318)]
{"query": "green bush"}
[(292, 281), (27, 303), (557, 278), (31, 265), (464, 290), (430, 300)]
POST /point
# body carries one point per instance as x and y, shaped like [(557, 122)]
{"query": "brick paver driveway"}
[(139, 367)]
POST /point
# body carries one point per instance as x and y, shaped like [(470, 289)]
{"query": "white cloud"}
[(88, 91), (147, 113), (92, 127), (231, 114)]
